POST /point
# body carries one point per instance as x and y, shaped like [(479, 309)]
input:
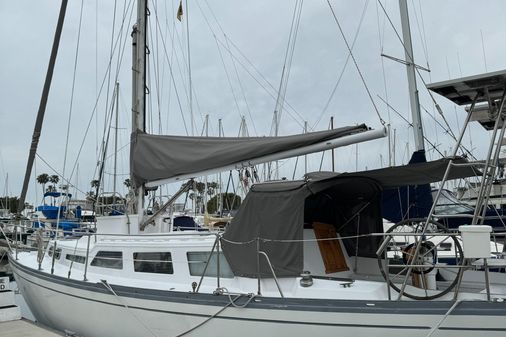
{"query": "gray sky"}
[(450, 30)]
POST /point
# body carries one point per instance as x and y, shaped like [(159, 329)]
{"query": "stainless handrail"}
[(207, 264), (272, 271)]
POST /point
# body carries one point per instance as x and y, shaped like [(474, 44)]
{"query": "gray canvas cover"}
[(275, 213), (412, 174), (155, 157)]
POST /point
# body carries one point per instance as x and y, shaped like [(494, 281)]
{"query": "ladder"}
[(490, 90)]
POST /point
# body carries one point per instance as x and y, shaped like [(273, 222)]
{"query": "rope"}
[(298, 241), (40, 246), (108, 287), (431, 332), (231, 302), (356, 64)]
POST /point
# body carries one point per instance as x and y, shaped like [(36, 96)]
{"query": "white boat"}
[(299, 258)]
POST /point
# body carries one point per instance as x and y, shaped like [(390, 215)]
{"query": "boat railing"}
[(497, 241)]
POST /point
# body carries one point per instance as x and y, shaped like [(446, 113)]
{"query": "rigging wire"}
[(424, 35), (356, 64), (187, 16), (73, 88), (287, 64), (171, 71), (96, 74), (341, 74), (381, 35), (109, 74), (241, 87), (229, 81), (483, 50), (299, 121), (411, 125), (121, 48), (95, 107), (418, 71), (421, 36), (157, 77), (169, 95), (230, 55), (267, 83), (184, 65)]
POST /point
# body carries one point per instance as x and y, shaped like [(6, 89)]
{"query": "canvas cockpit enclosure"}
[(273, 216)]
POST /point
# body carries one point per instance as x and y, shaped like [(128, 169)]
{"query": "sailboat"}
[(299, 258)]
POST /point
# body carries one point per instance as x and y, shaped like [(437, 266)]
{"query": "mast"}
[(220, 199), (205, 178), (115, 146), (305, 156), (410, 69), (139, 84), (42, 106)]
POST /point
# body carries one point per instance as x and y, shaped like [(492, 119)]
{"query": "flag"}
[(180, 11)]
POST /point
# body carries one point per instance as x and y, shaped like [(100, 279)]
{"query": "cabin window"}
[(57, 253), (197, 263), (75, 258), (107, 259), (153, 262)]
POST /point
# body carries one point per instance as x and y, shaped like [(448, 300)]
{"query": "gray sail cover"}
[(156, 157)]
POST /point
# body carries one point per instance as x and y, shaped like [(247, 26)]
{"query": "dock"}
[(25, 328), (11, 322)]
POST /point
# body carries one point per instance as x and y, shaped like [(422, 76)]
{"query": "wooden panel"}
[(330, 250)]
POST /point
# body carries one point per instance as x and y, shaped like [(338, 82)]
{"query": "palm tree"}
[(94, 183), (43, 179), (54, 179)]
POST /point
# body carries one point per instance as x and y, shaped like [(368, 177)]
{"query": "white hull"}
[(92, 310)]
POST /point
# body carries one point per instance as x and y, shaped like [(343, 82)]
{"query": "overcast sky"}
[(232, 76)]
